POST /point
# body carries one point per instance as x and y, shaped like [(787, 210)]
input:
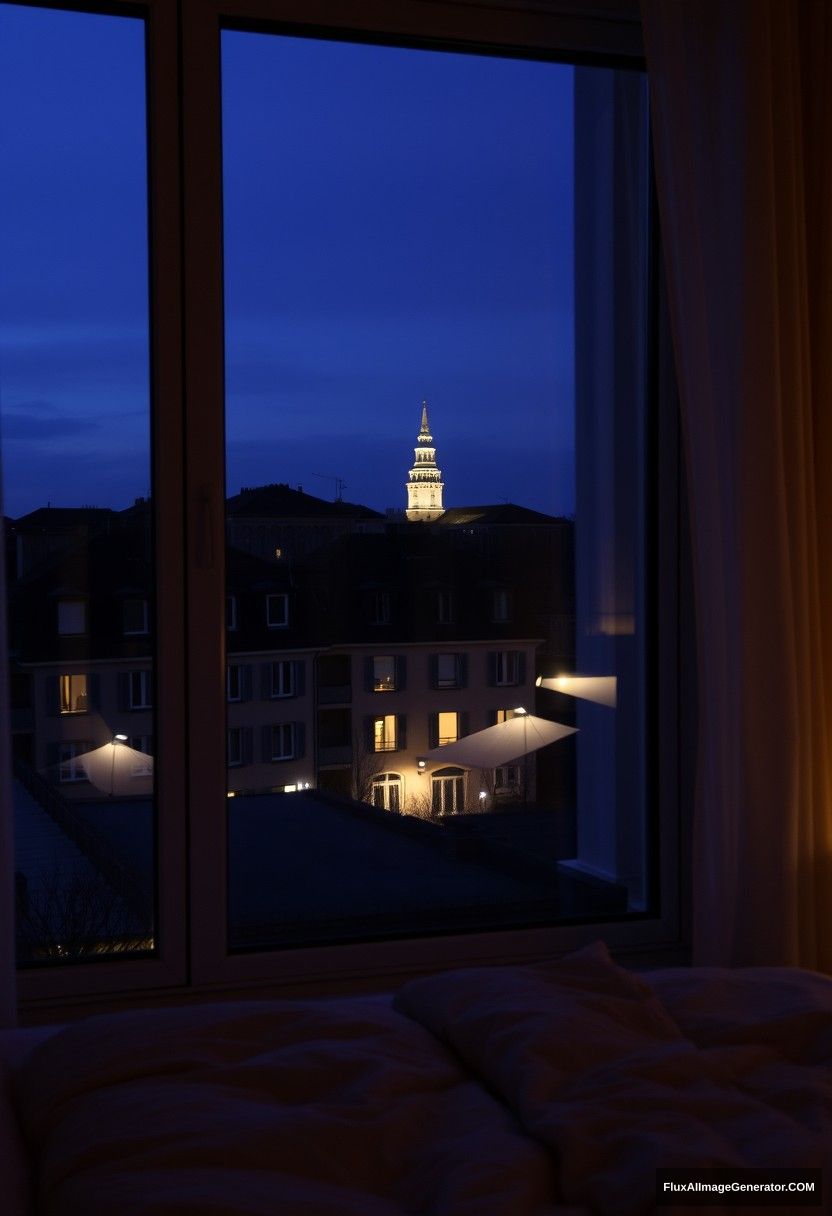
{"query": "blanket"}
[(506, 1091)]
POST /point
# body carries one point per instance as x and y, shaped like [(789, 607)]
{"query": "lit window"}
[(503, 715), (447, 727), (73, 694), (385, 733), (134, 616), (72, 617), (384, 673), (277, 610)]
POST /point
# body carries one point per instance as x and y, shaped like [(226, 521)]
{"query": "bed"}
[(512, 1091)]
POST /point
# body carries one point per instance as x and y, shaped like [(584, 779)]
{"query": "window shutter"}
[(266, 737), (491, 669), (123, 690), (369, 676), (401, 672), (53, 696), (433, 669), (462, 723), (265, 681), (369, 733), (401, 732), (300, 677), (492, 717), (433, 730), (300, 740), (94, 691), (245, 682), (462, 670), (521, 667)]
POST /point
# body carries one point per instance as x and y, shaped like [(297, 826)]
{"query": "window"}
[(142, 765), (503, 715), (447, 727), (447, 788), (384, 673), (235, 746), (500, 605), (507, 779), (72, 617), (71, 767), (380, 608), (445, 607), (569, 537), (449, 670), (506, 664), (281, 676), (234, 689), (282, 741), (140, 690), (73, 694), (277, 610), (387, 792), (385, 733), (134, 616)]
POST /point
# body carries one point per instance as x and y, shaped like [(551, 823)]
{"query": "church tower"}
[(424, 485)]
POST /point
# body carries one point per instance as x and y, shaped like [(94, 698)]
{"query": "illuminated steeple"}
[(424, 485)]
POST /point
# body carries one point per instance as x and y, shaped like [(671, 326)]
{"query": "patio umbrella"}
[(497, 745), (118, 769)]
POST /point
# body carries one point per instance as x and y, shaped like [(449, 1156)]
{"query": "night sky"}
[(398, 225)]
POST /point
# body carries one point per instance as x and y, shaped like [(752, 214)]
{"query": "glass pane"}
[(74, 409), (436, 311)]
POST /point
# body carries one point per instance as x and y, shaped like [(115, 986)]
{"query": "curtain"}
[(8, 1003), (742, 125)]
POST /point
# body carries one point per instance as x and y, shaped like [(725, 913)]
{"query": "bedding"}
[(521, 1091)]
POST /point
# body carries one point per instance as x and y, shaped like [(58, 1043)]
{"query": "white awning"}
[(499, 744)]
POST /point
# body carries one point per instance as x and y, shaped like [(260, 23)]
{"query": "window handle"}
[(204, 536)]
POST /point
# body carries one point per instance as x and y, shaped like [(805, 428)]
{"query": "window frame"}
[(189, 603), (271, 598)]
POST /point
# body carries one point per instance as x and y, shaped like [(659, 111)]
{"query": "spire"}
[(424, 485)]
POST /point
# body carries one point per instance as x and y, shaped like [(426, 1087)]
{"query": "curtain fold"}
[(742, 126)]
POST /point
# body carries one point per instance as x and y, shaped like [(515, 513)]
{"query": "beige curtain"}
[(742, 124)]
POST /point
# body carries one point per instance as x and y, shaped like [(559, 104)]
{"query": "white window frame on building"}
[(69, 753), (283, 741), (384, 673), (135, 617), (507, 668), (139, 690), (388, 792), (277, 610), (282, 678), (447, 791), (447, 727)]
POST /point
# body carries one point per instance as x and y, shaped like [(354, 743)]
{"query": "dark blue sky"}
[(398, 226)]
